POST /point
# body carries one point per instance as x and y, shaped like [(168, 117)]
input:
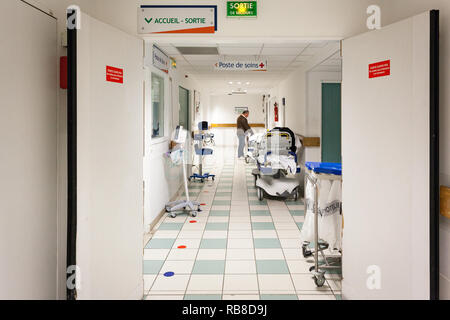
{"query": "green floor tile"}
[(152, 266), (261, 243), (170, 226), (201, 297), (272, 267), (300, 225), (217, 226), (209, 267), (223, 194), (160, 244), (297, 212), (257, 202), (195, 186), (221, 202), (279, 297), (293, 202), (213, 244), (219, 213), (224, 189), (263, 226), (260, 213)]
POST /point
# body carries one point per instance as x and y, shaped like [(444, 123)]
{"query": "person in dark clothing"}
[(243, 129)]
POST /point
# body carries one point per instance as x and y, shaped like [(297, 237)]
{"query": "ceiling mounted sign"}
[(177, 19), (242, 9), (241, 64), (160, 60)]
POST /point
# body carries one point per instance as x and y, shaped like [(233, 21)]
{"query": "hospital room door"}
[(331, 122), (105, 143), (184, 109), (390, 161)]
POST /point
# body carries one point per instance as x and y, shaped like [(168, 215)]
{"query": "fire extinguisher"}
[(275, 110)]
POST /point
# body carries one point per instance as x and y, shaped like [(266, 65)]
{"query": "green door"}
[(184, 109), (331, 122)]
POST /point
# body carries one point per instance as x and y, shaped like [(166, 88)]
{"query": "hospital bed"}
[(277, 165)]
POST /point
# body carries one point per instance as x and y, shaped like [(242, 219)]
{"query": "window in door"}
[(157, 106)]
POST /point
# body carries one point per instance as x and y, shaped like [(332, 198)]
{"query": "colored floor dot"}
[(192, 221), (181, 247), (169, 274)]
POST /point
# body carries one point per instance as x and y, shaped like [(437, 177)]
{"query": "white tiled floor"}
[(237, 247)]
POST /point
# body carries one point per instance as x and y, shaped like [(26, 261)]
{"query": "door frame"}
[(71, 258), (434, 155)]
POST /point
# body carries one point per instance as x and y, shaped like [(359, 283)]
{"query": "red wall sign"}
[(380, 69), (114, 74)]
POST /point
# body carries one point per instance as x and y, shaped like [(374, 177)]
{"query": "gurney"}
[(277, 165)]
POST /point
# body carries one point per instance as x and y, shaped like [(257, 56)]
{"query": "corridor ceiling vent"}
[(198, 50), (239, 92)]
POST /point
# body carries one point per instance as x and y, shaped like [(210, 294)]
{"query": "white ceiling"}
[(282, 57)]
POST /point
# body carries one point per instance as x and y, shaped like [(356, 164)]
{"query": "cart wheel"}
[(319, 280), (213, 178), (260, 194), (296, 195), (193, 214), (247, 160), (173, 215), (189, 179), (306, 252), (202, 180)]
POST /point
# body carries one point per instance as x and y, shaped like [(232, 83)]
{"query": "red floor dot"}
[(192, 221), (203, 204), (181, 247)]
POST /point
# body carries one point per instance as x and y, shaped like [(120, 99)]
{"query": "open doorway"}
[(184, 113), (233, 205)]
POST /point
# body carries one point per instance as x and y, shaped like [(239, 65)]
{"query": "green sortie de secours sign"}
[(242, 9)]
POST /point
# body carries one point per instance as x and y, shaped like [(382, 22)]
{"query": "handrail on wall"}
[(309, 142)]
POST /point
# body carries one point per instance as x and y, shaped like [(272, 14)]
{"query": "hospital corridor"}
[(237, 248), (218, 158)]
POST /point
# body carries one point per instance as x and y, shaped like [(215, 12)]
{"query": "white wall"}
[(294, 89), (162, 179), (28, 157), (220, 110)]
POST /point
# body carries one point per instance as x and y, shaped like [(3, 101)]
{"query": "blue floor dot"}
[(169, 274)]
